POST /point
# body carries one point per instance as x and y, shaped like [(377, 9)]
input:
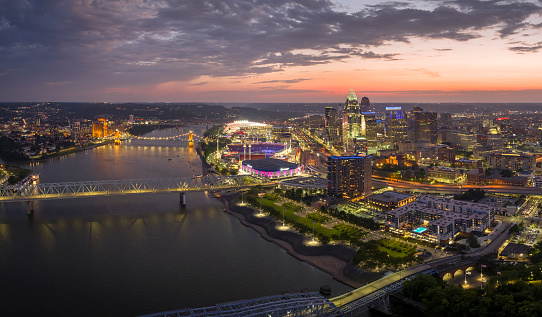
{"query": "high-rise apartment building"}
[(396, 124), (425, 126), (349, 176)]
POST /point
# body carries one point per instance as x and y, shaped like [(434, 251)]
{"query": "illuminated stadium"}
[(271, 168), (257, 148)]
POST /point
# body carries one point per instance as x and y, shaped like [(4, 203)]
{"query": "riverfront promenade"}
[(332, 259)]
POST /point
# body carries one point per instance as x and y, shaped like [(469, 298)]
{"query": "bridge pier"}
[(182, 197), (384, 305), (29, 207)]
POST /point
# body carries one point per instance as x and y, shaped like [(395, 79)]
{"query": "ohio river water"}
[(138, 254)]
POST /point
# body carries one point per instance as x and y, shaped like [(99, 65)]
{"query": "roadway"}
[(495, 189)]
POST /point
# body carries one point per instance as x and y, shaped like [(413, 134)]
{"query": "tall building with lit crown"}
[(351, 117), (349, 176), (396, 124)]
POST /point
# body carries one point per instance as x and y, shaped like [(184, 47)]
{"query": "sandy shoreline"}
[(335, 260)]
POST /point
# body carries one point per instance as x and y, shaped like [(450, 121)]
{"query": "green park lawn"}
[(291, 218), (395, 249)]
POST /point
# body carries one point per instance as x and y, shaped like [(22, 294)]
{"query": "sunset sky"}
[(270, 50)]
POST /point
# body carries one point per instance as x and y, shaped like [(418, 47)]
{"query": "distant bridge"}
[(47, 191), (190, 137)]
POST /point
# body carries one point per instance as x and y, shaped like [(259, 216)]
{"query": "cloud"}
[(426, 71), (101, 43), (285, 81), (526, 48), (370, 54), (57, 83), (199, 84)]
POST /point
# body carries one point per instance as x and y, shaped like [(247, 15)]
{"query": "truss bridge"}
[(65, 190)]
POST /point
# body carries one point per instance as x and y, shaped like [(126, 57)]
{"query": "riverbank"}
[(72, 151), (204, 165), (335, 260)]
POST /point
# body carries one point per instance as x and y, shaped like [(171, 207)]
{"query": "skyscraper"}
[(331, 123), (396, 124), (365, 104), (351, 117), (349, 176), (368, 125), (425, 126)]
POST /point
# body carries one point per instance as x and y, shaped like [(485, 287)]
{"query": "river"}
[(137, 254)]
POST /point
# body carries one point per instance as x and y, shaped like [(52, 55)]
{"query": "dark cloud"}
[(104, 43), (199, 84), (522, 47), (370, 54), (286, 81)]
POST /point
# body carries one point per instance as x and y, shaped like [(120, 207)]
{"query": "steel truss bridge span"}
[(300, 304), (65, 190)]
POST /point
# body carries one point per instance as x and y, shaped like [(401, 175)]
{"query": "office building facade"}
[(396, 124), (331, 124), (425, 126)]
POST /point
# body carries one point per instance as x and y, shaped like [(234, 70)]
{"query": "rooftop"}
[(269, 164), (390, 196)]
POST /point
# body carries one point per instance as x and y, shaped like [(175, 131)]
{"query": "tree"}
[(507, 173), (12, 180), (416, 287), (420, 174), (488, 171)]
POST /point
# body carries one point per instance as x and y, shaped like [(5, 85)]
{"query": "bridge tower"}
[(117, 137), (191, 139)]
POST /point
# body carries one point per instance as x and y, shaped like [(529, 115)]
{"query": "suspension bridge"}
[(190, 137)]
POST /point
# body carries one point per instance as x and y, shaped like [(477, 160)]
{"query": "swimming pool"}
[(419, 230)]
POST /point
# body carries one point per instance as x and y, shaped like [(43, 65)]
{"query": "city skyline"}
[(284, 51)]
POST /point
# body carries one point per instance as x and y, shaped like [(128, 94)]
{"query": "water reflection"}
[(131, 255)]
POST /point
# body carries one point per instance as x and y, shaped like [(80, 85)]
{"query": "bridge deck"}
[(379, 285)]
